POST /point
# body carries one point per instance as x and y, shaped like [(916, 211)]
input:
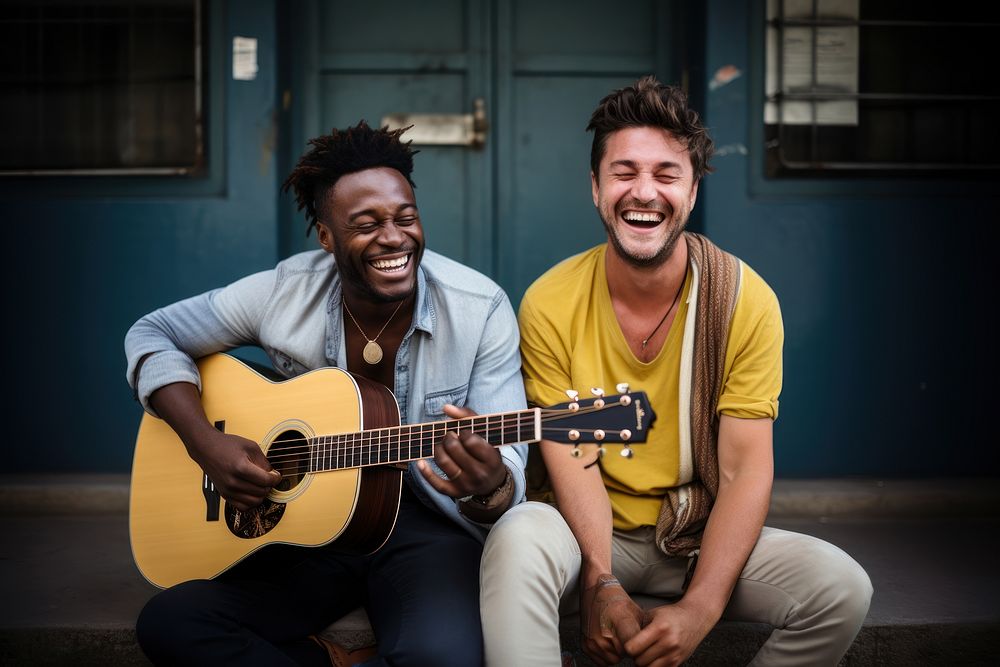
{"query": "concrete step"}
[(72, 592), (832, 498)]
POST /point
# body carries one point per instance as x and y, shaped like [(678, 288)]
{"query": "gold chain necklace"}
[(372, 353), (664, 318)]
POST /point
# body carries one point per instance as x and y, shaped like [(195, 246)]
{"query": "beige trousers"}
[(812, 593)]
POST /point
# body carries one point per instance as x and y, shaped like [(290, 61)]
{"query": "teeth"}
[(390, 264), (634, 216)]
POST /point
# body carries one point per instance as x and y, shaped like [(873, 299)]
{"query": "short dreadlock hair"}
[(649, 103), (344, 152)]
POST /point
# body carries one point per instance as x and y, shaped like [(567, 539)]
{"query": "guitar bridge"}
[(212, 498)]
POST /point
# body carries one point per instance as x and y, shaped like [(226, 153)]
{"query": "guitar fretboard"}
[(398, 444)]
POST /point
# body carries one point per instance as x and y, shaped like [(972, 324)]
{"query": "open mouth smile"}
[(643, 218), (394, 265)]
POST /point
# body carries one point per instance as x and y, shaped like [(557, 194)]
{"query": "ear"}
[(593, 187), (324, 236)]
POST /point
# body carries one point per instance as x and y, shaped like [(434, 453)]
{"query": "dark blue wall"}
[(885, 285), (92, 254)]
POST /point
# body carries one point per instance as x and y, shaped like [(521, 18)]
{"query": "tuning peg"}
[(598, 435), (625, 399), (625, 434), (573, 396), (600, 454), (626, 452), (576, 452), (622, 387), (597, 391), (574, 434)]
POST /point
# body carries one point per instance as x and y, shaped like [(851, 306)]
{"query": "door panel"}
[(522, 203), (443, 174), (551, 210)]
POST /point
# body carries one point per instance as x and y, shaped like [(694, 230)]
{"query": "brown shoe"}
[(340, 656)]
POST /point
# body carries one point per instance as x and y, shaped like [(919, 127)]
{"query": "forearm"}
[(583, 502), (179, 405), (746, 472), (730, 535)]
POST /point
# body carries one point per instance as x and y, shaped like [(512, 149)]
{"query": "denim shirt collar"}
[(336, 349)]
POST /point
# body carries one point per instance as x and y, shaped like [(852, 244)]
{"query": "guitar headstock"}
[(624, 418)]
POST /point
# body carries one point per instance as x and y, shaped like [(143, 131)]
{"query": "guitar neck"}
[(401, 444)]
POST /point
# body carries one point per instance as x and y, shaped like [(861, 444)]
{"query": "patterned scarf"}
[(714, 291)]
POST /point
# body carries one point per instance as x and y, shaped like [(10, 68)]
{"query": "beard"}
[(675, 227), (351, 275)]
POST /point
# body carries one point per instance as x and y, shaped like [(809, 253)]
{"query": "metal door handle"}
[(443, 129)]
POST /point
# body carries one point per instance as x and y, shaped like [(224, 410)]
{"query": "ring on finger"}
[(456, 475)]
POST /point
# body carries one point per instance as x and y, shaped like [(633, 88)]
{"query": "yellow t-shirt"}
[(570, 339)]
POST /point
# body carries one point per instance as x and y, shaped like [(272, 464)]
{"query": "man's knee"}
[(165, 622), (843, 587), (529, 529), (857, 588)]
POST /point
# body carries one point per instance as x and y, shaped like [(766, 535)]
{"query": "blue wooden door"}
[(521, 202)]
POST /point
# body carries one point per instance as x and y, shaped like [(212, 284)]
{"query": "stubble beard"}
[(676, 224), (350, 275)]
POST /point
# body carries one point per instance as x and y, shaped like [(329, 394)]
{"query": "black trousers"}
[(421, 591)]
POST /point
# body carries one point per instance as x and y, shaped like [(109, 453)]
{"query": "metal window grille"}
[(858, 86), (112, 87)]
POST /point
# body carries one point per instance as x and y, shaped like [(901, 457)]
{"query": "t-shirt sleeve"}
[(753, 357), (544, 357)]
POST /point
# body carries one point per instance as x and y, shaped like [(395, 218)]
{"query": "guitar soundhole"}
[(256, 521), (289, 455)]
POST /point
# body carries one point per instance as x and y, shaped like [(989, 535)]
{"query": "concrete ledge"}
[(64, 494), (870, 498), (728, 644), (80, 647)]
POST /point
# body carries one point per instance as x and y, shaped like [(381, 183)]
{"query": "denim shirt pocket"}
[(434, 402), (284, 364)]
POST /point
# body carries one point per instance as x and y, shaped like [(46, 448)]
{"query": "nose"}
[(644, 188), (391, 235)]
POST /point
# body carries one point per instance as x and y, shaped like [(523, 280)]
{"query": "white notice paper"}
[(244, 58)]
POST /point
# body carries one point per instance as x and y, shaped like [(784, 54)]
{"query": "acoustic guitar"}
[(336, 440)]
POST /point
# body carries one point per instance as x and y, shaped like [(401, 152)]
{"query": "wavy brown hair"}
[(649, 103)]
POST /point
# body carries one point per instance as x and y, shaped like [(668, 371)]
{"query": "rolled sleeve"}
[(161, 347), (496, 384)]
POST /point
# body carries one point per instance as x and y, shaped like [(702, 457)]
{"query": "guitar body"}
[(180, 529)]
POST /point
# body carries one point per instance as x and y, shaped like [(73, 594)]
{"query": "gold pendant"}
[(372, 353)]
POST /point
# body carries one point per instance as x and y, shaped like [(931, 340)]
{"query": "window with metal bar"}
[(881, 86), (108, 87)]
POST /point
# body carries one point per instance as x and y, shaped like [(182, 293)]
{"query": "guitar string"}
[(352, 460), (302, 453), (347, 452), (505, 425), (367, 436)]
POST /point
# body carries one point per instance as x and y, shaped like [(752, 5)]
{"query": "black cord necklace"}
[(664, 318)]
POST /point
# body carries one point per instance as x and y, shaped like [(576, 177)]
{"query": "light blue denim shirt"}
[(461, 348)]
